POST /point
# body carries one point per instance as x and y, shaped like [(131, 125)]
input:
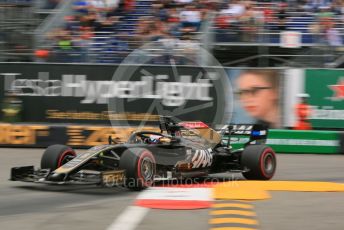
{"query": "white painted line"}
[(129, 218)]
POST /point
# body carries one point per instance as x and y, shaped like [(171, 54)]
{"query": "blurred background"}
[(74, 72), (237, 33), (58, 57)]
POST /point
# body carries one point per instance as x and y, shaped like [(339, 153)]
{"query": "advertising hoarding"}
[(325, 88), (98, 94)]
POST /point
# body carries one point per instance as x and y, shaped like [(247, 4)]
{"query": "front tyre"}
[(260, 160), (55, 156), (140, 168)]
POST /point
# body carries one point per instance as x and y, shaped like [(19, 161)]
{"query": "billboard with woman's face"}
[(257, 96)]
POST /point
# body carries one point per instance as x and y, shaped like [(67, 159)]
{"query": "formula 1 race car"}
[(181, 150)]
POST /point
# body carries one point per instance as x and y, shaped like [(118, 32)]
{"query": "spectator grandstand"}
[(106, 31), (262, 22)]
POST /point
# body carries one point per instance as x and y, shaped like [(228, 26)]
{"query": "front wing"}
[(83, 177)]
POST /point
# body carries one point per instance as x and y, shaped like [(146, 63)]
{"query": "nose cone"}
[(56, 177)]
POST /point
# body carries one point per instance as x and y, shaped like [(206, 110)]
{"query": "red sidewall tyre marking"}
[(262, 162), (139, 175), (64, 154)]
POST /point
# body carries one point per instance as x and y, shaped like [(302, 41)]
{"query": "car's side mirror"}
[(113, 141), (110, 141)]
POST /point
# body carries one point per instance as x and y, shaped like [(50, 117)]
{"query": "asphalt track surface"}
[(35, 206)]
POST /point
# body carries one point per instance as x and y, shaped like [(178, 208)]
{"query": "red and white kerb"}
[(175, 198)]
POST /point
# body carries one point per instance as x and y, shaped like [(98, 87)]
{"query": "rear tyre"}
[(55, 156), (260, 160), (140, 168)]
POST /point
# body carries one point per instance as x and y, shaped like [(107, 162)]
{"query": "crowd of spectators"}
[(248, 20), (73, 41), (108, 30)]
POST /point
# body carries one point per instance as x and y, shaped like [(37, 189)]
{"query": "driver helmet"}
[(154, 139)]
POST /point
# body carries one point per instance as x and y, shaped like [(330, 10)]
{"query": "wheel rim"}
[(269, 163), (147, 169)]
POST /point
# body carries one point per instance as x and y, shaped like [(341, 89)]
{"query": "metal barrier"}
[(296, 141), (111, 48), (52, 22), (17, 21)]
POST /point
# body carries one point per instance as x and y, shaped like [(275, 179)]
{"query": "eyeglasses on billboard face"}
[(251, 92)]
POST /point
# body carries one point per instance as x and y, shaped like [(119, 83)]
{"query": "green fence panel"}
[(295, 141)]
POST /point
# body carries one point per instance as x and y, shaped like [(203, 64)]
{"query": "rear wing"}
[(257, 133)]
